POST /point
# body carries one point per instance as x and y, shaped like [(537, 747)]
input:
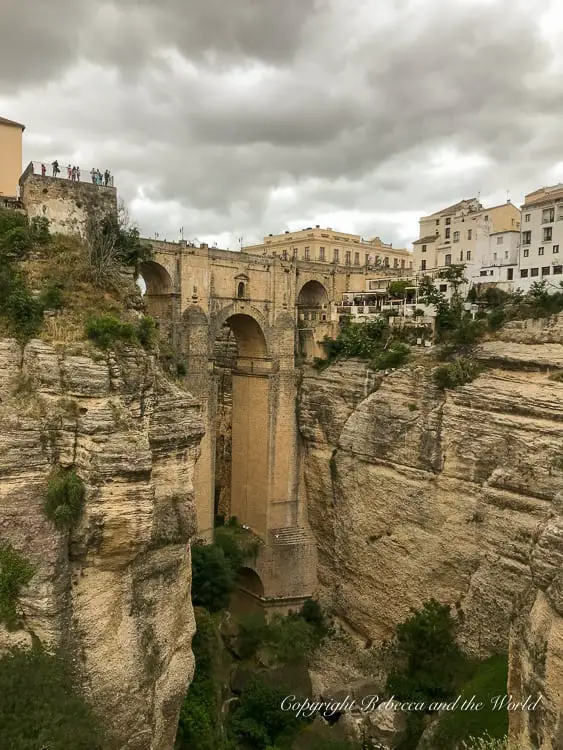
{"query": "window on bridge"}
[(241, 290)]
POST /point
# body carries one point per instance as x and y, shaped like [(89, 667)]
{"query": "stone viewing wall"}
[(116, 589), (66, 204)]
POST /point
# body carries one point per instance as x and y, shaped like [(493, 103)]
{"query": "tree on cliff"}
[(41, 707)]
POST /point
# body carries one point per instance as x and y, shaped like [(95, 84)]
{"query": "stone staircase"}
[(289, 536)]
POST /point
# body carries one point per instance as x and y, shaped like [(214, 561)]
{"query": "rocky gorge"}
[(415, 492), (114, 591)]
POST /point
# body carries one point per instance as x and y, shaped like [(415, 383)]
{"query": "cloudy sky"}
[(236, 119)]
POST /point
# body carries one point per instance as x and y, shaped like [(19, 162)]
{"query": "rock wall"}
[(414, 493), (66, 204), (536, 644), (115, 590)]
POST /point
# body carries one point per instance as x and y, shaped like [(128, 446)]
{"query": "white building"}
[(495, 260), (541, 258)]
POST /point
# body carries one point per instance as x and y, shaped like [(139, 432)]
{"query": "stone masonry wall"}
[(64, 203)]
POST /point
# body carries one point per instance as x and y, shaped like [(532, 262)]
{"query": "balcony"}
[(91, 176)]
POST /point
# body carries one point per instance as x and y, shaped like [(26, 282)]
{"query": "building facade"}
[(496, 260), (457, 234), (541, 241), (332, 248), (11, 136)]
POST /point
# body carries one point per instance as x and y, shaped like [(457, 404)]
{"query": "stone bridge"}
[(237, 322)]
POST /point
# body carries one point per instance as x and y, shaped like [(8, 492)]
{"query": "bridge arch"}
[(159, 296), (313, 294), (249, 327), (249, 593)]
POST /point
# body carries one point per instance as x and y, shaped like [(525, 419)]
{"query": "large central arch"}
[(243, 365)]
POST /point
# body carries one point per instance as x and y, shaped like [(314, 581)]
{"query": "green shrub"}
[(41, 705), (199, 725), (64, 499), (258, 722), (426, 655), (460, 371), (147, 332), (212, 577), (107, 331), (39, 230), (22, 312), (181, 369), (313, 614), (290, 639), (396, 356), (252, 633), (52, 296), (15, 573), (557, 376)]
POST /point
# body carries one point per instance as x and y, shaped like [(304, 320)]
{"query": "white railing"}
[(71, 172)]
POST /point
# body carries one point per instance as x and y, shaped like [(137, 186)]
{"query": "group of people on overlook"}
[(73, 174)]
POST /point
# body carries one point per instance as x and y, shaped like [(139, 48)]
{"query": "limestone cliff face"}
[(414, 493), (536, 643), (116, 589)]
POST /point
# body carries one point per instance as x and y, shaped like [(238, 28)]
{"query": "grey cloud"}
[(210, 108)]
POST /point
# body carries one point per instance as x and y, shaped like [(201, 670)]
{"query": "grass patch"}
[(489, 680)]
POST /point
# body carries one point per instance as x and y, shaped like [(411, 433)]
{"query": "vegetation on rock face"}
[(41, 705), (15, 573), (109, 332), (429, 668), (459, 372), (64, 499)]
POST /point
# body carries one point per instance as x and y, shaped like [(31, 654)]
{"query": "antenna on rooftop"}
[(182, 233), (240, 239)]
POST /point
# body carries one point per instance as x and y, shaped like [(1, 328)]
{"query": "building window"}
[(509, 274), (523, 273), (469, 234), (386, 263), (336, 255), (494, 256), (240, 290), (506, 253), (348, 257), (461, 255), (448, 260), (483, 273), (557, 269), (356, 259), (500, 240), (437, 222), (321, 253), (545, 270), (448, 222), (456, 236), (307, 253), (547, 234), (447, 233), (527, 217), (534, 271), (423, 265), (487, 218), (548, 215), (443, 287), (526, 238), (468, 255), (526, 252), (424, 248), (540, 250), (437, 232), (555, 249), (295, 251)]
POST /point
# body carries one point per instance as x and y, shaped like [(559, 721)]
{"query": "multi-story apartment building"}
[(541, 242), (10, 156), (496, 260), (451, 235), (329, 247)]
